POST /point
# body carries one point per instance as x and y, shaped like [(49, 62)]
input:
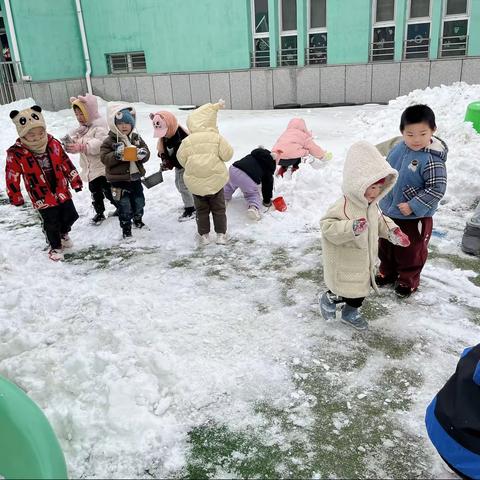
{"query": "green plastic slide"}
[(28, 445)]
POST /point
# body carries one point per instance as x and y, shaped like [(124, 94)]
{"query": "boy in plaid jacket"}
[(422, 180)]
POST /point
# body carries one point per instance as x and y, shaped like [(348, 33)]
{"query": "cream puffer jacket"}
[(92, 135), (204, 152), (350, 261)]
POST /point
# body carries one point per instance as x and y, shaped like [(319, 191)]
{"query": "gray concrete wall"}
[(264, 88)]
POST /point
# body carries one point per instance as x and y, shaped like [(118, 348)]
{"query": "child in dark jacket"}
[(170, 135), (125, 174), (247, 174), (420, 161), (46, 170), (453, 417)]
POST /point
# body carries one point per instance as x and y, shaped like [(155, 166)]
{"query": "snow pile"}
[(128, 346)]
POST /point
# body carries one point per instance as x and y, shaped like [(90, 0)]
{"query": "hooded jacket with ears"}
[(349, 261), (120, 170), (204, 152), (296, 142), (92, 135)]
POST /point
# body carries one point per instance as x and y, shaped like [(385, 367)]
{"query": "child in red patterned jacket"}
[(47, 172)]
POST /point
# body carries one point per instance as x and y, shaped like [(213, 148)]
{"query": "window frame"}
[(313, 30), (286, 33), (309, 19), (128, 56), (452, 18), (384, 23), (456, 16), (259, 35), (411, 21)]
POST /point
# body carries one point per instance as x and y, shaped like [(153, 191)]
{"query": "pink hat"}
[(164, 124)]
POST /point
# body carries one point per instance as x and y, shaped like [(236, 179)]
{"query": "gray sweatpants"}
[(187, 197)]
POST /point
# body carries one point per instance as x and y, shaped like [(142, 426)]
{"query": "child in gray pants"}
[(170, 135)]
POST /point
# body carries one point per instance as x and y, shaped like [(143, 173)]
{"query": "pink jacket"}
[(296, 142)]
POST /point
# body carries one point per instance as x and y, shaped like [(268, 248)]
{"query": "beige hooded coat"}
[(349, 261), (92, 135), (204, 152)]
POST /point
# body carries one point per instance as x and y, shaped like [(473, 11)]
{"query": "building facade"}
[(138, 46)]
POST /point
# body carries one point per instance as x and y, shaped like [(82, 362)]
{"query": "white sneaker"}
[(204, 239), (55, 255), (221, 239), (253, 213), (66, 241)]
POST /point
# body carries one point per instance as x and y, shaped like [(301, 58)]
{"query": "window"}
[(385, 11), (318, 13), (317, 32), (417, 43), (419, 8), (261, 16), (383, 33), (288, 35), (261, 41), (289, 15), (455, 29), (456, 7), (126, 62)]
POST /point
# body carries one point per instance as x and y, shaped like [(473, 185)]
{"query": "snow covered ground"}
[(157, 358)]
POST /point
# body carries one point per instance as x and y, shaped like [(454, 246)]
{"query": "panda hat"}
[(27, 119)]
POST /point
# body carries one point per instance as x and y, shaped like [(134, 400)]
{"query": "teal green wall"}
[(273, 31), (400, 22), (302, 29), (176, 36), (436, 27), (48, 38), (192, 35), (474, 35), (349, 31)]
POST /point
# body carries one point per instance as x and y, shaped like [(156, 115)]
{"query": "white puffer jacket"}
[(92, 135), (350, 261)]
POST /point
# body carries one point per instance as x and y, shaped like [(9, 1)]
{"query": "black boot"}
[(127, 231), (137, 221), (98, 218), (188, 214)]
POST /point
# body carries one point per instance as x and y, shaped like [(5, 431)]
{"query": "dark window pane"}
[(261, 16), (289, 15), (288, 54), (454, 41), (318, 13), (317, 48), (418, 40), (383, 45), (455, 7), (262, 52), (385, 10), (419, 8)]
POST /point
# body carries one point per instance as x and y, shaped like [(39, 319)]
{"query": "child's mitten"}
[(397, 237), (119, 148), (142, 153), (328, 156), (359, 226)]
